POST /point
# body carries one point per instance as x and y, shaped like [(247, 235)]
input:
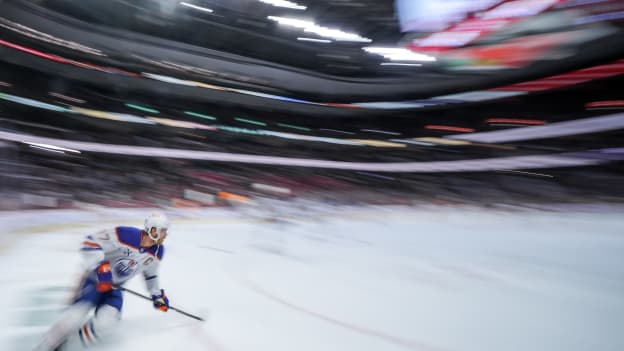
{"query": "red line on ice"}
[(411, 344)]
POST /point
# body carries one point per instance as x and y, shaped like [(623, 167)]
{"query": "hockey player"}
[(111, 257)]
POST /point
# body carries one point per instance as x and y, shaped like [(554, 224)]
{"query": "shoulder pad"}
[(129, 236)]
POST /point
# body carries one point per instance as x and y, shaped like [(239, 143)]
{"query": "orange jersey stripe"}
[(85, 331), (91, 244)]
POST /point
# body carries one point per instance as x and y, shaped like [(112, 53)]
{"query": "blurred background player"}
[(111, 257)]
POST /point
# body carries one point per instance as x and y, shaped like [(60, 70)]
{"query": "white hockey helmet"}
[(158, 221)]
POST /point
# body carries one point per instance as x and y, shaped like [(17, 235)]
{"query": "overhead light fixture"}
[(49, 147), (336, 131), (284, 125), (142, 108), (312, 27), (200, 115), (401, 64), (284, 3), (250, 121), (379, 131), (314, 40), (398, 54), (292, 22), (410, 57), (205, 9), (383, 50)]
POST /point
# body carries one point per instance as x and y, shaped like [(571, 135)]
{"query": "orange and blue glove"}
[(104, 278), (161, 302)]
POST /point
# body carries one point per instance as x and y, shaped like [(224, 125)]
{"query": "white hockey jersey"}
[(121, 247)]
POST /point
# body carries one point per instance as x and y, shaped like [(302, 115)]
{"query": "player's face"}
[(163, 235)]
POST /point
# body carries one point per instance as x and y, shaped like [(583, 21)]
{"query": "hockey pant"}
[(75, 329)]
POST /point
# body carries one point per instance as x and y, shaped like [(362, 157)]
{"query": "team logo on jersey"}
[(125, 267)]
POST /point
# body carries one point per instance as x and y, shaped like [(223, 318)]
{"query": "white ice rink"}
[(365, 280)]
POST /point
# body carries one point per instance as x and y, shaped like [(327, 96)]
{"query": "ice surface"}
[(363, 281)]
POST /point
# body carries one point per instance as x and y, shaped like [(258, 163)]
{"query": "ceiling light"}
[(314, 40), (410, 57), (293, 127), (47, 149), (292, 22), (401, 64), (379, 131), (200, 115), (250, 121), (336, 34), (284, 3), (142, 108), (205, 9), (383, 50), (398, 54), (336, 131), (312, 27), (51, 147)]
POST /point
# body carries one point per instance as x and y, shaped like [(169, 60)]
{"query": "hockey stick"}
[(170, 307)]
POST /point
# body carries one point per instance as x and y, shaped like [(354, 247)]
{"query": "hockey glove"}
[(161, 302), (104, 278)]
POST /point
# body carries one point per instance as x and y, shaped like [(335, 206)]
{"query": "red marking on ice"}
[(207, 342), (411, 344)]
